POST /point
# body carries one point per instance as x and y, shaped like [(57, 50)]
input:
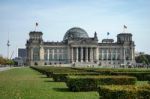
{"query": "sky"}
[(55, 17)]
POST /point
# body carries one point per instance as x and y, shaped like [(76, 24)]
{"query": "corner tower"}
[(34, 48), (124, 37), (127, 49)]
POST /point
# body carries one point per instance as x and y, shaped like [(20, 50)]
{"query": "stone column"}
[(102, 54), (111, 54), (124, 56), (132, 53), (69, 56), (41, 54), (86, 56), (91, 54), (48, 54), (76, 54), (94, 55), (31, 54), (120, 49), (81, 54), (116, 55), (52, 54), (72, 55), (97, 53), (107, 54)]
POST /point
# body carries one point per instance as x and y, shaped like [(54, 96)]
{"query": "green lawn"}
[(25, 83)]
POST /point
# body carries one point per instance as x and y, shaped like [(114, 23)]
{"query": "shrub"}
[(62, 77), (148, 77), (124, 92), (89, 83), (59, 77), (142, 76), (48, 71), (109, 71)]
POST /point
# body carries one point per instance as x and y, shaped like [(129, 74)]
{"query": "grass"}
[(25, 83)]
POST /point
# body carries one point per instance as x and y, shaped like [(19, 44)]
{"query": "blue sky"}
[(55, 17)]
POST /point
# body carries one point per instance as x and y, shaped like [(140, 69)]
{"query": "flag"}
[(36, 24), (108, 33), (125, 27)]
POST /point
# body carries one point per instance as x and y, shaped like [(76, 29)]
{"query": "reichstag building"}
[(78, 49)]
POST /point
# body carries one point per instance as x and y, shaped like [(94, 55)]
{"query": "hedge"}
[(114, 69), (48, 71), (110, 71), (148, 77), (90, 83), (62, 77), (124, 92), (141, 76)]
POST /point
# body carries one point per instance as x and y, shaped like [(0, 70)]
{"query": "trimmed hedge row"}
[(49, 71), (62, 77), (141, 76), (124, 92), (59, 73), (113, 69), (40, 69), (90, 83), (148, 77)]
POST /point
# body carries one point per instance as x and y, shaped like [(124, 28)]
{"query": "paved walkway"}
[(5, 68)]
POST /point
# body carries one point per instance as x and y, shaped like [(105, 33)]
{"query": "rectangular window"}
[(60, 56), (36, 54), (55, 56), (50, 57), (45, 57)]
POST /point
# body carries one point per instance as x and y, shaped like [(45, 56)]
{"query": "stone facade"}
[(78, 49)]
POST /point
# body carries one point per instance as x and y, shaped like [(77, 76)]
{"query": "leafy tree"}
[(4, 61), (145, 59)]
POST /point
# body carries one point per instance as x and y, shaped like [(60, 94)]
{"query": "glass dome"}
[(75, 32)]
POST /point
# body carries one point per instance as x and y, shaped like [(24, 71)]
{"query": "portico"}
[(81, 54)]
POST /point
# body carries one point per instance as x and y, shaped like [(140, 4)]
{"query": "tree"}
[(143, 59), (4, 61)]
